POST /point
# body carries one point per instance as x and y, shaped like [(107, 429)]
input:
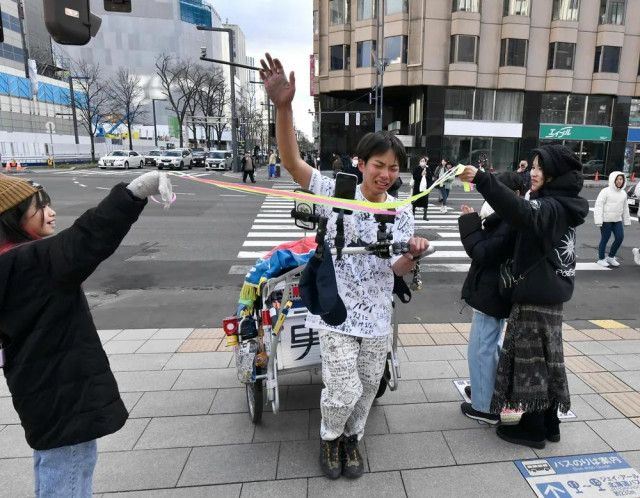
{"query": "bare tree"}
[(211, 100), (127, 96), (220, 102), (250, 119), (180, 82)]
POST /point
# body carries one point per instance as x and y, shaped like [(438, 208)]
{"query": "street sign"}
[(346, 119), (575, 132), (599, 475), (50, 127), (357, 119)]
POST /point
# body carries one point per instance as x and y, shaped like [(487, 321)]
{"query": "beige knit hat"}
[(13, 191)]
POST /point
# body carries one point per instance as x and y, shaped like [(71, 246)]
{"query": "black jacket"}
[(56, 369), (546, 235), (487, 248), (416, 174)]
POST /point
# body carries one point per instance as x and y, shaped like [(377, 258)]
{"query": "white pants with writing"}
[(351, 371)]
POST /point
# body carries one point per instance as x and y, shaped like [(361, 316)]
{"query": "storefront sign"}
[(633, 135), (574, 132), (468, 128)]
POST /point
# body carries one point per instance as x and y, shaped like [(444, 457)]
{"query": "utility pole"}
[(380, 65), (25, 48), (73, 109)]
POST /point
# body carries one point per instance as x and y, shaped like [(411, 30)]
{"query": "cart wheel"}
[(384, 382), (255, 400)]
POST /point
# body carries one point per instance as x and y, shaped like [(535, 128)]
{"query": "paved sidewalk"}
[(189, 434)]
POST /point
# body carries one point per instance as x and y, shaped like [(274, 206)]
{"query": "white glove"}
[(152, 183)]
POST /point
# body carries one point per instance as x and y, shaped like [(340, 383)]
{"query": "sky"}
[(285, 29)]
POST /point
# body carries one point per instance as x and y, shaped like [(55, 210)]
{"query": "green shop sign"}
[(574, 132)]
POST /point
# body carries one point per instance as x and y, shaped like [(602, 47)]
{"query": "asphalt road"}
[(173, 268)]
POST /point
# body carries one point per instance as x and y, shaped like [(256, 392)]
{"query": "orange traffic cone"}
[(597, 177)]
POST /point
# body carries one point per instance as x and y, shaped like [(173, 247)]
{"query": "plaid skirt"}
[(531, 375)]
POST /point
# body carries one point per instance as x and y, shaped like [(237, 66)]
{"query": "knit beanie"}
[(557, 160), (13, 191)]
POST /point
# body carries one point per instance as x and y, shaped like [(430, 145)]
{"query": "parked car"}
[(593, 165), (121, 159), (174, 159), (150, 158), (199, 156), (632, 198), (216, 160)]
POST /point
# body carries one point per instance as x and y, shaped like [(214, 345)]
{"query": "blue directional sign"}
[(553, 490)]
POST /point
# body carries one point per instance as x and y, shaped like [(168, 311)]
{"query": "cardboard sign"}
[(299, 346)]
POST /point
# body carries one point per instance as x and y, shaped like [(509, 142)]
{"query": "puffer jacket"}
[(611, 204)]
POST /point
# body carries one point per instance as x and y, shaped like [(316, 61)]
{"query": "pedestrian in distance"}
[(353, 351), (531, 373), (445, 188), (611, 214), (272, 164), (489, 241), (636, 250), (248, 168), (56, 369), (421, 180), (523, 171)]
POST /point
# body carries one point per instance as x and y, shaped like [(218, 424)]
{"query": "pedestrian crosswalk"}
[(273, 225)]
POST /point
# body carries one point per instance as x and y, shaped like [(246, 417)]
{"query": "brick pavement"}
[(189, 435)]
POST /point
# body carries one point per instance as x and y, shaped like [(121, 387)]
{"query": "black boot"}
[(530, 431), (552, 424), (330, 458), (424, 214), (352, 464)]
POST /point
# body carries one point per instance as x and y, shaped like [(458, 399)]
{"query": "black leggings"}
[(249, 174)]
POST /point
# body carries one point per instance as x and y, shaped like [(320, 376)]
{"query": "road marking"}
[(239, 269), (464, 267), (274, 215), (263, 243), (449, 234), (251, 254), (299, 234), (232, 195)]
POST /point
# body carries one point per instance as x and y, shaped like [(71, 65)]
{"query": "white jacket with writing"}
[(611, 204)]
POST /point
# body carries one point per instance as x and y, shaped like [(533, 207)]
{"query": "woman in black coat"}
[(419, 171)]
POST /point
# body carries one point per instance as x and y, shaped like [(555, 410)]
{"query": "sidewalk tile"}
[(427, 370), (172, 334), (495, 479), (125, 438), (627, 403), (407, 451), (300, 459), (135, 362), (234, 400), (12, 467), (576, 438), (301, 397), (630, 377), (626, 361), (602, 406), (466, 335), (461, 367), (222, 347), (415, 340), (438, 390), (464, 350), (574, 335), (108, 334), (205, 378), (378, 485), (577, 385), (623, 347), (199, 345), (609, 324), (285, 426), (449, 338), (376, 423), (294, 379), (409, 391), (220, 491), (620, 434), (135, 335), (606, 362), (130, 399), (146, 380), (122, 347), (569, 350), (293, 488), (160, 346), (566, 326), (188, 361), (581, 364), (482, 445), (583, 410), (441, 328), (428, 353), (215, 333), (172, 403), (427, 417), (600, 335), (591, 347), (196, 430), (411, 328), (233, 463), (604, 382), (8, 414), (138, 470), (462, 327), (627, 334), (13, 444)]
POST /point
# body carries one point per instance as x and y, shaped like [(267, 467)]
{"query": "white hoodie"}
[(611, 204)]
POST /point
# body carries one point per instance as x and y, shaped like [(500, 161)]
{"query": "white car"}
[(215, 160), (174, 159), (121, 159)]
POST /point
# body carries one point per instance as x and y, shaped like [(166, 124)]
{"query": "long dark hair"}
[(11, 220)]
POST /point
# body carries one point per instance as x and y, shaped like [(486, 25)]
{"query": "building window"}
[(566, 10), (396, 7), (395, 49), (576, 109), (466, 6), (612, 11), (366, 9), (10, 22), (561, 55), (339, 12), (316, 23), (483, 105), (513, 52), (516, 8), (607, 59), (364, 53), (464, 48), (10, 52), (499, 154), (340, 57), (554, 108), (195, 12), (599, 110), (458, 103), (509, 106), (634, 113)]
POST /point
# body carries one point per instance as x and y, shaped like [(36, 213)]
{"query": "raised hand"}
[(278, 88), (467, 209)]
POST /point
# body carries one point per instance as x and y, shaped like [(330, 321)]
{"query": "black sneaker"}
[(352, 464), (467, 391), (488, 418), (330, 458)]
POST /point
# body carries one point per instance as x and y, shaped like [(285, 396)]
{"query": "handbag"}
[(507, 281)]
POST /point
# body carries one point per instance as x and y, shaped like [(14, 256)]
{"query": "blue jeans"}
[(66, 471), (483, 351), (444, 193), (608, 228)]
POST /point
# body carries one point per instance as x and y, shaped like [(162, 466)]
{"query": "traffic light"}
[(70, 22), (117, 5)]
